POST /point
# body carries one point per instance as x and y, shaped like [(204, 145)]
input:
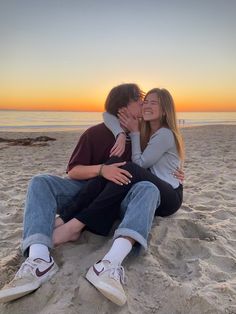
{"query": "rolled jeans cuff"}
[(125, 232), (37, 238)]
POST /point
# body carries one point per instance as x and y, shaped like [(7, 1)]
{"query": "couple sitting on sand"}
[(103, 184)]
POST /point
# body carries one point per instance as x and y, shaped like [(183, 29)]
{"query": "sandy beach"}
[(190, 265)]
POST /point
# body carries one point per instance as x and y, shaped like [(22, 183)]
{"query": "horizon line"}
[(49, 110)]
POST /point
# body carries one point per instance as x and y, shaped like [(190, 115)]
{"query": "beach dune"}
[(190, 265)]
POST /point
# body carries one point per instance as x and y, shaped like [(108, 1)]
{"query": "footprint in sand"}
[(191, 229)]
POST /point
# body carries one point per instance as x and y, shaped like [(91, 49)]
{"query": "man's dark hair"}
[(120, 96)]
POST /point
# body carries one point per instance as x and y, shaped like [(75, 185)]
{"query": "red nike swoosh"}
[(41, 273), (97, 272)]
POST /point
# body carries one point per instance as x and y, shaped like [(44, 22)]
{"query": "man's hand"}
[(127, 120), (179, 174), (115, 174), (119, 146)]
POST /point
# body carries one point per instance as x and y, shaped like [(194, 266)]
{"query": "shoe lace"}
[(27, 267), (118, 273)]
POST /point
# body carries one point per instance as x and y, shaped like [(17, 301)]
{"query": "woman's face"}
[(151, 109)]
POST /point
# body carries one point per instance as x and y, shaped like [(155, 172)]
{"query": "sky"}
[(68, 54)]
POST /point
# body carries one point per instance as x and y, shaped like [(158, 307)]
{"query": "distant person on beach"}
[(48, 195), (157, 146)]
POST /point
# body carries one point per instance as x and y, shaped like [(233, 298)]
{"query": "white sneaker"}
[(108, 279), (30, 276)]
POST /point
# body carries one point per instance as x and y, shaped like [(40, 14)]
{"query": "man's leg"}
[(45, 195), (138, 209)]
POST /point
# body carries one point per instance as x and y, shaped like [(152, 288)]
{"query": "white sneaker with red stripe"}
[(31, 275), (108, 279)]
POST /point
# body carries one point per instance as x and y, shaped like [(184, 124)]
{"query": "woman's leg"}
[(101, 213), (171, 206), (86, 195), (67, 228), (69, 231), (58, 222), (140, 204), (91, 189)]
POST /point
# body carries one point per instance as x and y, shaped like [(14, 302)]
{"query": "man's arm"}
[(81, 164), (110, 172), (81, 172)]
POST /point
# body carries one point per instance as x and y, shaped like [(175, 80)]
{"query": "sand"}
[(190, 265)]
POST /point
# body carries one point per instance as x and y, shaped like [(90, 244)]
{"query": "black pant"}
[(97, 204)]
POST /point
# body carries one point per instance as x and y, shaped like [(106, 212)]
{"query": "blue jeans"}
[(137, 212), (47, 194)]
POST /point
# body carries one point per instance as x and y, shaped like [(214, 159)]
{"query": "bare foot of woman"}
[(69, 231), (58, 222)]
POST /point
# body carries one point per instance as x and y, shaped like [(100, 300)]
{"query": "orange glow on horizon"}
[(67, 104), (51, 105), (204, 107)]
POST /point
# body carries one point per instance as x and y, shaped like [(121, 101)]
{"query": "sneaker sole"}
[(15, 293), (109, 292)]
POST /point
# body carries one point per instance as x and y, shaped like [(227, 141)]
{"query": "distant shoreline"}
[(83, 128)]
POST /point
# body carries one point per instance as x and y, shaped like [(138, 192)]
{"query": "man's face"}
[(135, 107)]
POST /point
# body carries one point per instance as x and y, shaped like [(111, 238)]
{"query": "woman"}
[(157, 150)]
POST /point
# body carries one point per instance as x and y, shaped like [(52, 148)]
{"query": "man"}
[(48, 195)]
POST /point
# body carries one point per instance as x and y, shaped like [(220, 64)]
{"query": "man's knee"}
[(147, 190), (143, 196), (146, 186), (39, 180)]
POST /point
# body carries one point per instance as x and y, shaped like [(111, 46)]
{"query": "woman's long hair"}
[(168, 120)]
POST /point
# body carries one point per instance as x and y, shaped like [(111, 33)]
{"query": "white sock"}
[(119, 250), (39, 251)]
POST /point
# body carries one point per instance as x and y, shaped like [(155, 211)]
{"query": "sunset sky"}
[(68, 54)]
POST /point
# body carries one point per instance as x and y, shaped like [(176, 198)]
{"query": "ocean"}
[(44, 121)]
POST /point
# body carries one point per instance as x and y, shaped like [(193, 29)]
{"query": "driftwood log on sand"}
[(37, 141)]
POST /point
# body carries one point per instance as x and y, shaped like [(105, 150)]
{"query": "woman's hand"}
[(119, 146), (127, 120), (115, 174), (179, 174)]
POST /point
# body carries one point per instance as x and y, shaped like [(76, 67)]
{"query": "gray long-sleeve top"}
[(160, 155)]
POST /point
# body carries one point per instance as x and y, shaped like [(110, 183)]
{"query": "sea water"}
[(44, 121)]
